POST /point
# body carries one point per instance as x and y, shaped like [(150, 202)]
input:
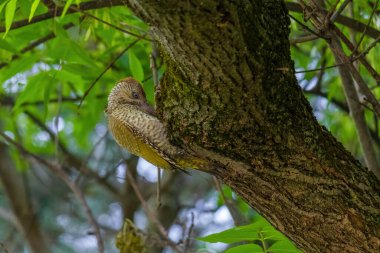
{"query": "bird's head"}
[(128, 92)]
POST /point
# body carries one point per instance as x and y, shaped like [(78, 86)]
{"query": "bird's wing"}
[(149, 129)]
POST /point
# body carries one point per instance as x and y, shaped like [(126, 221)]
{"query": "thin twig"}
[(9, 101), (10, 217), (151, 215), (112, 25), (360, 57), (322, 72), (58, 170), (158, 197), (339, 11), (356, 110), (187, 242), (343, 59), (57, 116), (352, 59), (95, 146), (307, 28), (3, 248), (105, 70), (52, 13), (365, 52), (234, 211), (70, 158), (366, 27), (318, 69), (35, 44), (343, 106), (346, 21), (303, 39), (330, 13), (85, 161)]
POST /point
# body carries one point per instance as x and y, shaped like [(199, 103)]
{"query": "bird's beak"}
[(149, 109)]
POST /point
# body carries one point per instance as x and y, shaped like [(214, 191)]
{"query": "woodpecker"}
[(135, 127)]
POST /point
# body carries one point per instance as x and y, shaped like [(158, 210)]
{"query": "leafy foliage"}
[(259, 236)]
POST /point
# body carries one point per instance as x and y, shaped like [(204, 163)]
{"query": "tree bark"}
[(230, 94)]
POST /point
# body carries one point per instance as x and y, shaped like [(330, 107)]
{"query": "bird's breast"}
[(128, 139)]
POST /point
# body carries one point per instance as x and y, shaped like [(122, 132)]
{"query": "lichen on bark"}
[(230, 88)]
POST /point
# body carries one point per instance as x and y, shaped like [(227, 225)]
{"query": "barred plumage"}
[(133, 124)]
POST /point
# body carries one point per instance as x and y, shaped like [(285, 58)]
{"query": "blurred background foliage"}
[(50, 115)]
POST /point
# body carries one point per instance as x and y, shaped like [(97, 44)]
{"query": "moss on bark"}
[(230, 88)]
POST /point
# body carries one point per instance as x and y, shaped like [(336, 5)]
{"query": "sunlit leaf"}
[(17, 67), (9, 14), (2, 5), (246, 248), (256, 231), (67, 6), (135, 66), (33, 9), (38, 88)]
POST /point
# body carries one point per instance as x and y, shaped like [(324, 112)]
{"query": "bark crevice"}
[(230, 89)]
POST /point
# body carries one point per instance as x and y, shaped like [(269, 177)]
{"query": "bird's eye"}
[(135, 95)]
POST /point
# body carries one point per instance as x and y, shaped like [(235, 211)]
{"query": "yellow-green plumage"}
[(135, 127)]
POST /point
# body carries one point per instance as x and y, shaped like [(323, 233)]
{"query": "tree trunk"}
[(230, 92)]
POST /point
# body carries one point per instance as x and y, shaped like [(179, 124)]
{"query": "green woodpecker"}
[(135, 127)]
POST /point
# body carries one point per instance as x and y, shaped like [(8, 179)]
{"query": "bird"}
[(135, 127)]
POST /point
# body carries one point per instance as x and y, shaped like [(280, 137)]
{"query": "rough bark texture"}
[(230, 89)]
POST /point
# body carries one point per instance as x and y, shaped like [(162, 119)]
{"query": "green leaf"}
[(20, 163), (135, 66), (18, 66), (81, 54), (246, 248), (33, 9), (67, 6), (9, 15), (38, 88), (2, 6), (7, 46), (60, 32), (85, 71), (237, 234), (259, 230), (66, 76), (284, 246)]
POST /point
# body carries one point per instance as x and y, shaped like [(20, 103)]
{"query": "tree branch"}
[(366, 27), (237, 216), (143, 37), (58, 11), (59, 171), (342, 106), (35, 44), (359, 55), (255, 125), (356, 110), (71, 159), (346, 21), (9, 101), (152, 217), (109, 65), (21, 204)]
